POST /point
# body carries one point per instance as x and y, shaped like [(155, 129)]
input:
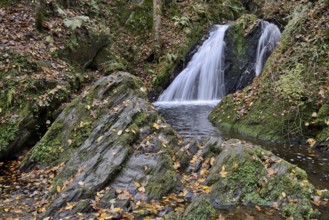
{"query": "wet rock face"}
[(240, 52), (119, 140)]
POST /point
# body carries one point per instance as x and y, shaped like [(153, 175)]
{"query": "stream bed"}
[(190, 119)]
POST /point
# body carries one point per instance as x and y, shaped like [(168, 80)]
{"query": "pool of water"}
[(190, 119)]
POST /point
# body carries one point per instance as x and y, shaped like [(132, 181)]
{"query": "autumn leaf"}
[(212, 160), (123, 196), (69, 206), (206, 189), (156, 126), (58, 188), (119, 132), (99, 139), (235, 165), (115, 210), (137, 184), (223, 173), (176, 165), (270, 172), (141, 189), (311, 141), (203, 172)]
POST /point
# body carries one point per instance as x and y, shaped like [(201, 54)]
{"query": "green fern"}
[(10, 96)]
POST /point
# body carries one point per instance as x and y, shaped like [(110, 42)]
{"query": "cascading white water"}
[(266, 44), (203, 78)]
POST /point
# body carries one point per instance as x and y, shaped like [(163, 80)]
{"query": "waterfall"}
[(266, 44), (203, 78)]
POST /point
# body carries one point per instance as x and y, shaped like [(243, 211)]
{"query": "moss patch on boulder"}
[(247, 174), (200, 209)]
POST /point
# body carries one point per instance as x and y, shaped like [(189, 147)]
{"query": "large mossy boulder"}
[(288, 100), (111, 139), (246, 174), (31, 93)]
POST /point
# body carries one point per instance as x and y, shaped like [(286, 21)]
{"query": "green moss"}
[(200, 209), (291, 86), (141, 19), (294, 210), (323, 136), (322, 115), (163, 76), (160, 184), (8, 133), (226, 10), (247, 175)]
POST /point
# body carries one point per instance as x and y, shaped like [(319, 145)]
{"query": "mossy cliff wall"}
[(288, 102)]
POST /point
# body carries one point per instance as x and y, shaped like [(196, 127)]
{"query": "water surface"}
[(189, 119)]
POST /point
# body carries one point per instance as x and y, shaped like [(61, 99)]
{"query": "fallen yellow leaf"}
[(141, 189), (212, 160), (156, 126), (99, 139), (223, 173)]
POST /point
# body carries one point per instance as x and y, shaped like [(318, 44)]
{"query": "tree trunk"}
[(156, 27)]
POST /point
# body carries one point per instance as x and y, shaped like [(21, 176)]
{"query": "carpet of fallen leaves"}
[(18, 34), (23, 194)]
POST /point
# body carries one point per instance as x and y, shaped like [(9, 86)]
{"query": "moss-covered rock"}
[(75, 124), (111, 139), (200, 209), (25, 111), (247, 174), (241, 40)]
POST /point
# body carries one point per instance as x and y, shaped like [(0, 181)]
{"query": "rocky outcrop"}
[(110, 138), (244, 174), (288, 101), (241, 40)]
